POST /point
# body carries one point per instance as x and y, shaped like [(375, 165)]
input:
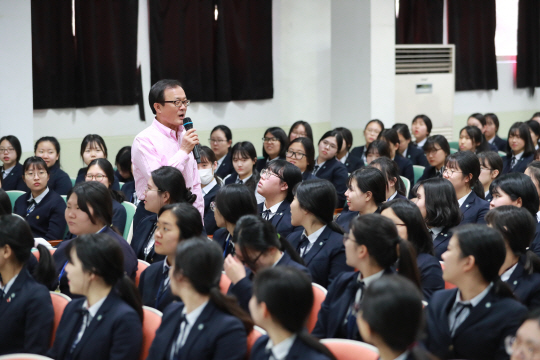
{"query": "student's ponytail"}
[(478, 189), (406, 264), (287, 247), (45, 271), (312, 342), (128, 292), (230, 305)]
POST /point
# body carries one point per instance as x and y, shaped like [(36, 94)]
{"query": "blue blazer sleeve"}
[(243, 290), (430, 274), (59, 180), (119, 216)]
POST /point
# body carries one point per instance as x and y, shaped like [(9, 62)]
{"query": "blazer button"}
[(515, 282), (466, 205), (451, 348), (488, 305)]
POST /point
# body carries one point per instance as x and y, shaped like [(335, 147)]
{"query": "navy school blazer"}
[(209, 219), (119, 216), (353, 163), (334, 309), (59, 180), (140, 214), (416, 155), (526, 287), (430, 274), (226, 167), (122, 179), (440, 243), (326, 258), (82, 174), (140, 235), (429, 173), (128, 189), (115, 333), (149, 284), (520, 166), (489, 197), (220, 236), (243, 289), (60, 259), (335, 172), (215, 335), (474, 209), (26, 315), (405, 167), (358, 151), (282, 218), (500, 144), (481, 335), (535, 245), (15, 181), (345, 217), (47, 220), (299, 350), (308, 175)]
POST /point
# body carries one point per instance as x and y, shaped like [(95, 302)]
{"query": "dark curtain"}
[(471, 27), (420, 22), (106, 33), (528, 53), (53, 54)]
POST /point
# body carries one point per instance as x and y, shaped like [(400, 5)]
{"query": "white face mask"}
[(207, 175)]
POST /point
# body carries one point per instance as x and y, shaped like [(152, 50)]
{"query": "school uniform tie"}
[(513, 162), (162, 287), (266, 214), (351, 317), (301, 249), (31, 206), (85, 321), (238, 181), (458, 321), (179, 342), (315, 169)]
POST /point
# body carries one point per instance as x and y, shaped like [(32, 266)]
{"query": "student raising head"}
[(520, 149), (371, 246), (421, 128), (301, 153), (48, 148), (12, 170)]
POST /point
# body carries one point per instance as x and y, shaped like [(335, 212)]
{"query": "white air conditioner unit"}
[(425, 84)]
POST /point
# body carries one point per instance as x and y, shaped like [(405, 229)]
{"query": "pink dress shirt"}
[(158, 146)]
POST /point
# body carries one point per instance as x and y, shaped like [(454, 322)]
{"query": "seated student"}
[(206, 324), (436, 149), (12, 170), (405, 166), (472, 320), (221, 142), (102, 171), (517, 189), (492, 128), (210, 184), (371, 133), (5, 203), (471, 139), (320, 245), (176, 223), (300, 129), (534, 127), (371, 247), (438, 204), (479, 121), (533, 171), (232, 202), (328, 167), (491, 166), (106, 323), (520, 149), (395, 187), (406, 148), (244, 158), (275, 144), (462, 169), (281, 303), (166, 185), (525, 343), (258, 246), (378, 148), (421, 128), (26, 311), (392, 318), (123, 165), (301, 153), (351, 162), (89, 211), (521, 267), (42, 208), (276, 186), (411, 227), (48, 148), (93, 147), (366, 192)]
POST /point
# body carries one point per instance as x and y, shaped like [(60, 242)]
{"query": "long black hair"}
[(518, 185), (288, 296), (95, 195), (283, 139), (476, 136), (16, 233), (95, 141), (305, 124), (309, 149), (390, 170), (379, 235), (439, 140), (244, 150), (201, 262), (487, 247), (288, 173), (171, 180), (402, 129), (35, 162), (535, 128), (107, 168), (411, 216), (53, 141), (14, 141), (100, 254), (188, 219), (347, 136), (469, 165), (380, 147), (491, 160), (234, 201), (442, 207), (370, 179), (337, 135), (521, 130), (123, 161), (319, 197), (5, 202)]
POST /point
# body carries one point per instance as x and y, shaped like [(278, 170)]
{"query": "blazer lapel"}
[(197, 330), (317, 246), (342, 307), (441, 238), (280, 212), (469, 201), (14, 290), (477, 313), (513, 281)]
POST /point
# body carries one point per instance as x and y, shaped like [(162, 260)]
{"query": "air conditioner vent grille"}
[(424, 60)]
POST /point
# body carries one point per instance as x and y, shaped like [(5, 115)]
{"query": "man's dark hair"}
[(157, 91)]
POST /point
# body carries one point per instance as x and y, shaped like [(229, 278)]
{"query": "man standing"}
[(165, 142)]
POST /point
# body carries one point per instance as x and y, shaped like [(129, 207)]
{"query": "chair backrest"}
[(501, 153), (73, 181), (19, 216), (344, 349), (418, 171), (141, 266), (13, 196), (454, 144), (407, 183), (35, 252), (256, 333), (447, 285), (224, 283), (59, 302), (130, 233), (130, 212), (121, 184), (151, 322), (21, 356), (453, 150), (319, 294)]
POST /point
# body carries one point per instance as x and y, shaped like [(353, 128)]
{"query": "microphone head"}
[(188, 125)]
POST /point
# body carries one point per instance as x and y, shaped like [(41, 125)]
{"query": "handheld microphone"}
[(188, 125)]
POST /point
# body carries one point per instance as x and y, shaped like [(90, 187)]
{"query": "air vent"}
[(424, 59)]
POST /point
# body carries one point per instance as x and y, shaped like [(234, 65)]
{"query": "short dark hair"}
[(170, 179), (534, 126), (491, 159), (381, 146), (468, 163), (279, 134), (347, 136), (14, 141), (521, 130), (53, 141), (96, 140), (245, 150), (305, 124), (35, 162), (518, 185), (123, 159), (517, 226), (426, 121), (403, 129), (439, 140), (157, 92), (309, 150), (477, 137), (442, 207), (478, 117), (225, 129), (319, 197), (95, 195), (188, 219), (289, 173), (234, 201), (493, 118), (390, 135), (370, 179), (390, 170), (337, 135)]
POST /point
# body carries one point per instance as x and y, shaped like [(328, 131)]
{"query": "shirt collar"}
[(475, 300), (274, 265), (368, 280), (7, 171), (220, 161), (41, 196), (405, 152), (319, 165), (421, 143), (166, 266), (506, 275), (246, 179), (519, 156), (392, 196), (272, 209), (313, 237), (168, 131), (9, 284), (194, 315), (492, 140), (343, 160), (92, 310), (436, 231), (462, 200), (209, 187), (281, 350), (403, 356)]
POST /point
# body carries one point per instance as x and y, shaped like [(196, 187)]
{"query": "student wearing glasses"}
[(275, 143), (42, 208), (491, 166), (300, 129), (220, 143), (93, 147), (436, 149), (526, 343), (301, 153), (12, 170), (371, 133)]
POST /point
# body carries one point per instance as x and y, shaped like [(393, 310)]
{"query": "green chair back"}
[(13, 196), (73, 181), (130, 212), (407, 185), (454, 144), (418, 171)]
